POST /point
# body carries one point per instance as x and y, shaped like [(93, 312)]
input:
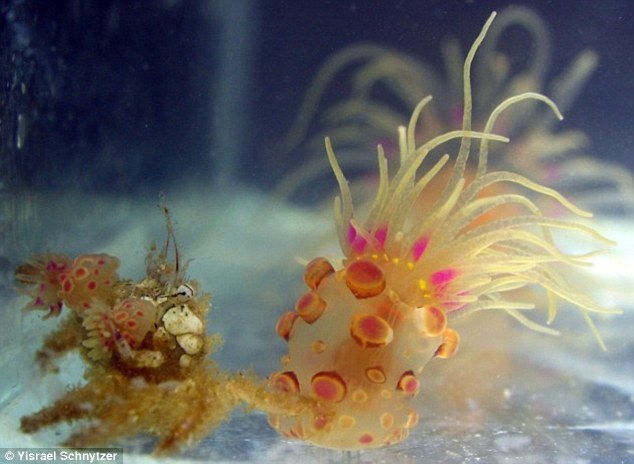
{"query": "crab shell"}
[(357, 350)]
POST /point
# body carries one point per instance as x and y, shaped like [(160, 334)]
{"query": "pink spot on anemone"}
[(419, 248), (381, 235), (356, 241), (443, 277)]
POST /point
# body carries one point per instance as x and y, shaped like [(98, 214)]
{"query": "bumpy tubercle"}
[(358, 357)]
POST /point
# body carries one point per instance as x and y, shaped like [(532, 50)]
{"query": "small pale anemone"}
[(91, 277), (39, 278), (121, 328), (446, 257)]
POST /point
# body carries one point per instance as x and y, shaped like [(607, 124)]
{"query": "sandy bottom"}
[(510, 395)]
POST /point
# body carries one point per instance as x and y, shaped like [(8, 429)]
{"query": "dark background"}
[(119, 96)]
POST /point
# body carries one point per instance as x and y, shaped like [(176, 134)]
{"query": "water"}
[(108, 105)]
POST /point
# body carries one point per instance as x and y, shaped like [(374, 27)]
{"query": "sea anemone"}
[(386, 84), (121, 328), (360, 338), (91, 277), (39, 278)]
